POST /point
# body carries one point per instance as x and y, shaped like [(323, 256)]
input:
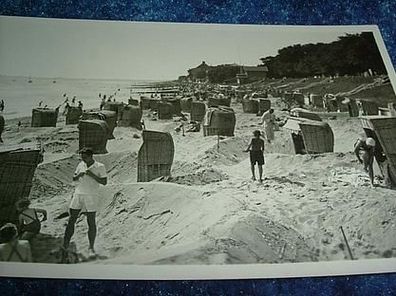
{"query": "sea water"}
[(22, 94)]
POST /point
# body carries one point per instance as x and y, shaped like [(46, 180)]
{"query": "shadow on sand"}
[(47, 249)]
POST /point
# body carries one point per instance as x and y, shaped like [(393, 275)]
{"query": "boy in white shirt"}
[(89, 174)]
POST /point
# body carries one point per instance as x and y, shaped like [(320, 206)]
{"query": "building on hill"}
[(182, 78), (199, 73), (251, 73), (227, 73)]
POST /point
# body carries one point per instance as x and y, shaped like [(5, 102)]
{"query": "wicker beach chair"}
[(44, 117), (155, 156), (17, 167), (383, 130), (185, 104), (131, 116), (219, 121), (110, 117), (198, 110), (165, 110), (215, 102), (73, 115), (310, 136), (250, 106), (93, 134)]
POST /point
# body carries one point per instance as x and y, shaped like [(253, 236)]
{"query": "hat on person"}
[(370, 142), (86, 150)]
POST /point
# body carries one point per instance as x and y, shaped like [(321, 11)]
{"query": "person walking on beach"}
[(2, 105), (12, 249), (268, 119), (256, 149), (365, 150), (89, 174)]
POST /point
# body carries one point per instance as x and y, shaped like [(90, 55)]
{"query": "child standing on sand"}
[(256, 148)]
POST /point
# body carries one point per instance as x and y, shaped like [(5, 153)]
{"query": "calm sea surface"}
[(20, 96)]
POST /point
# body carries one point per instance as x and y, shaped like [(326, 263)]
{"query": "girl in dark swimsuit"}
[(11, 249), (29, 222), (256, 148)]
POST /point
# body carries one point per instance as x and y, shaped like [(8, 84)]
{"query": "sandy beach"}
[(209, 211)]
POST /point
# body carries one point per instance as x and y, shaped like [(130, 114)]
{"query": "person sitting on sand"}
[(13, 250), (89, 174), (29, 222), (268, 119), (364, 151), (256, 148)]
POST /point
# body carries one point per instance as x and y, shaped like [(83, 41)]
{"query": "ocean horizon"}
[(21, 94)]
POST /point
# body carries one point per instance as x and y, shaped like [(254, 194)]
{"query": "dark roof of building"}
[(202, 65)]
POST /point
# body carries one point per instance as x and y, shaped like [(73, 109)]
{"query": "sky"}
[(139, 51)]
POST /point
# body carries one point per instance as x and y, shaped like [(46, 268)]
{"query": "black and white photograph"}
[(164, 144)]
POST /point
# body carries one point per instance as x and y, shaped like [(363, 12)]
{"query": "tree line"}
[(223, 73), (351, 54)]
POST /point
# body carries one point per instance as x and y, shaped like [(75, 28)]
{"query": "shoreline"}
[(21, 97)]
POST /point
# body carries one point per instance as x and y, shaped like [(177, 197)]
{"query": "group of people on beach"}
[(16, 246), (104, 100), (364, 149), (90, 174)]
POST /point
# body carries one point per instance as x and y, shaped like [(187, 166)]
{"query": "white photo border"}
[(228, 271)]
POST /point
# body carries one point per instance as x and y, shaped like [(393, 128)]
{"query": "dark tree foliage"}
[(223, 73), (351, 54)]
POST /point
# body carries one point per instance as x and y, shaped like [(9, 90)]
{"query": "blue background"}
[(335, 12)]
